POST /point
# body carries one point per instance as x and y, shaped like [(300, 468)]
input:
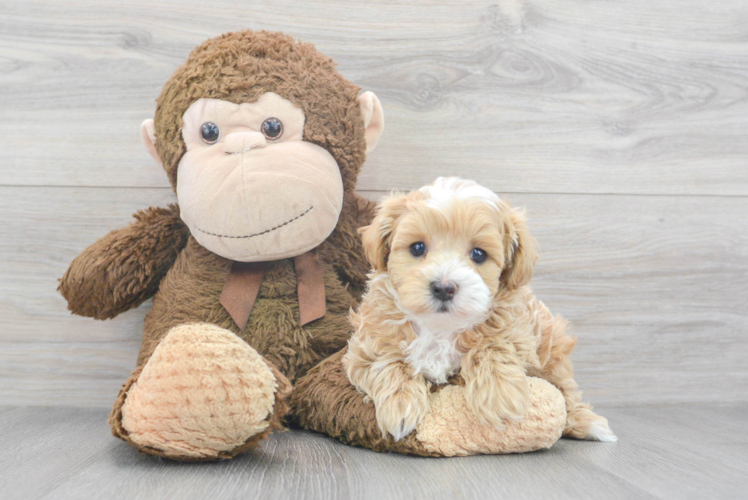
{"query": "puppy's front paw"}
[(493, 400), (402, 411)]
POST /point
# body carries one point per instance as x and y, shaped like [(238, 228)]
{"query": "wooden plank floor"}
[(678, 451)]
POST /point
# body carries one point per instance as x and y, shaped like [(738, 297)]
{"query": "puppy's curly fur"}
[(448, 295)]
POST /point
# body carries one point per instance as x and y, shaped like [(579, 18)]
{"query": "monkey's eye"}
[(209, 132), (272, 128), (478, 255), (418, 249)]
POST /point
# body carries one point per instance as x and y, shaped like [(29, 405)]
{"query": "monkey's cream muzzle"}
[(249, 198)]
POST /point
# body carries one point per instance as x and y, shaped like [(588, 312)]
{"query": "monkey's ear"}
[(148, 136), (377, 236), (520, 254), (371, 111)]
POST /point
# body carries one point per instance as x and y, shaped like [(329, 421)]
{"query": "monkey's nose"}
[(240, 142), (443, 291)]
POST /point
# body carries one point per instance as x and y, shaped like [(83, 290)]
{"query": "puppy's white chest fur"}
[(434, 353)]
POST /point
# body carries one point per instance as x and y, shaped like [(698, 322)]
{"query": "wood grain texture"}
[(679, 451), (654, 287), (43, 447), (620, 126), (525, 95)]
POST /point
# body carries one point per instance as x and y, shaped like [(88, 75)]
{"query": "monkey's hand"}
[(403, 410), (124, 268), (496, 388)]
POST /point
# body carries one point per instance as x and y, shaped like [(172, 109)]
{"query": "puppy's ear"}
[(520, 255), (377, 236)]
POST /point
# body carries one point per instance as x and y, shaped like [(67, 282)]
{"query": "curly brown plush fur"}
[(240, 67), (156, 256), (123, 269)]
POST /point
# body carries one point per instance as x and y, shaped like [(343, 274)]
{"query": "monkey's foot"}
[(452, 429), (204, 394)]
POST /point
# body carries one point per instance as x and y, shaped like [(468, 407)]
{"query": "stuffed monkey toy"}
[(254, 273)]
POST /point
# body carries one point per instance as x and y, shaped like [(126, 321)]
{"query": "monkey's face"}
[(249, 187)]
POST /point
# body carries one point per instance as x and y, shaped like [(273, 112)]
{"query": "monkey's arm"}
[(124, 268), (349, 261)]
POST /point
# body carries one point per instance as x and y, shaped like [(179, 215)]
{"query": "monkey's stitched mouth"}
[(261, 232)]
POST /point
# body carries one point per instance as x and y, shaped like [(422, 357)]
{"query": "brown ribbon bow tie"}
[(244, 280)]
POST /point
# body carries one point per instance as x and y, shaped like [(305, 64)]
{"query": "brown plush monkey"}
[(253, 274)]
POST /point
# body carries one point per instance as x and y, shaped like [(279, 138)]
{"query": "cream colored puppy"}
[(448, 295)]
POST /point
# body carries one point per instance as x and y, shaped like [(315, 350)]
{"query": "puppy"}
[(448, 294)]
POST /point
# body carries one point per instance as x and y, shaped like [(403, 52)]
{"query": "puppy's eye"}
[(209, 132), (272, 128), (478, 255), (418, 249)]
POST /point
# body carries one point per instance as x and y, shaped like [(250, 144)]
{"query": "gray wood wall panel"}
[(620, 126), (536, 95), (654, 286)]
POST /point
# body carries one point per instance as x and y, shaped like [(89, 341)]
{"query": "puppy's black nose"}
[(443, 291)]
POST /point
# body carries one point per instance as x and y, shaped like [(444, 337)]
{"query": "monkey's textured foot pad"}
[(325, 401), (204, 394), (452, 429)]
